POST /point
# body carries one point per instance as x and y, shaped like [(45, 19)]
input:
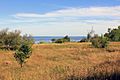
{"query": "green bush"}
[(84, 40), (53, 40), (100, 42), (62, 40), (23, 53), (66, 39), (43, 42), (59, 41), (11, 40)]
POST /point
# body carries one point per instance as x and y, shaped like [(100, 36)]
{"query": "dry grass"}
[(61, 61)]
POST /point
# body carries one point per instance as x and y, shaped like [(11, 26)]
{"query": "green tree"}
[(12, 40), (89, 36), (27, 39), (23, 53), (113, 34), (119, 27), (3, 34)]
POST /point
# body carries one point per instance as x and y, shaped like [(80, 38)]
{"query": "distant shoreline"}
[(48, 38)]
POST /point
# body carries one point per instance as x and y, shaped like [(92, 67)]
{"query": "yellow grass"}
[(57, 61)]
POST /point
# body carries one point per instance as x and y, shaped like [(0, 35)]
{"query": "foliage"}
[(11, 40), (100, 42), (59, 41), (27, 39), (62, 40), (66, 39), (43, 42), (71, 59), (90, 35), (53, 40), (84, 40), (23, 53), (113, 34)]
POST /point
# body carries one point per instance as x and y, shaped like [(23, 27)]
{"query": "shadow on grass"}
[(113, 76), (109, 70)]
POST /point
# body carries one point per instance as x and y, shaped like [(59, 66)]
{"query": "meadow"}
[(66, 61)]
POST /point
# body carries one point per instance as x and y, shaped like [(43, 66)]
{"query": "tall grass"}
[(68, 61)]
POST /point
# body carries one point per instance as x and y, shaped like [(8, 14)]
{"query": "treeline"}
[(96, 40), (12, 40), (103, 40)]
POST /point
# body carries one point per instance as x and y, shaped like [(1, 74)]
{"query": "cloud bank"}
[(73, 12), (71, 21)]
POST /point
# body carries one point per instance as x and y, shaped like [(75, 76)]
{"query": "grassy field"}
[(68, 61)]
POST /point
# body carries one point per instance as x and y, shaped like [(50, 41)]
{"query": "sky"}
[(59, 17)]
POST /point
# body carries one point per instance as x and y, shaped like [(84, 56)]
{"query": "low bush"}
[(100, 42), (84, 40), (11, 40), (61, 40)]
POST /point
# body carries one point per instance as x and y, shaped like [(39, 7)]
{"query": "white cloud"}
[(71, 12), (71, 21), (90, 14), (29, 15)]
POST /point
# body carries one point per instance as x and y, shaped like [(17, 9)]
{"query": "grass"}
[(68, 61)]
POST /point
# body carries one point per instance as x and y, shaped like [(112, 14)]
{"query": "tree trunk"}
[(21, 65)]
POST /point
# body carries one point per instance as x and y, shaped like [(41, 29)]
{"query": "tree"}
[(109, 30), (113, 34), (90, 35), (118, 27), (3, 34), (23, 53), (27, 39), (11, 40)]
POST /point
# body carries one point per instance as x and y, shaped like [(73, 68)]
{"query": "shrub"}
[(53, 40), (62, 40), (66, 39), (23, 53), (27, 39), (11, 40), (100, 42), (59, 41), (84, 40), (43, 42)]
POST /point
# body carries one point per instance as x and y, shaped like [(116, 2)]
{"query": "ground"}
[(60, 62)]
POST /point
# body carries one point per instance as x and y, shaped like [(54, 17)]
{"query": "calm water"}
[(48, 38)]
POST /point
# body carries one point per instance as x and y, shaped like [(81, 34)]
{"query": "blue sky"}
[(59, 17)]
